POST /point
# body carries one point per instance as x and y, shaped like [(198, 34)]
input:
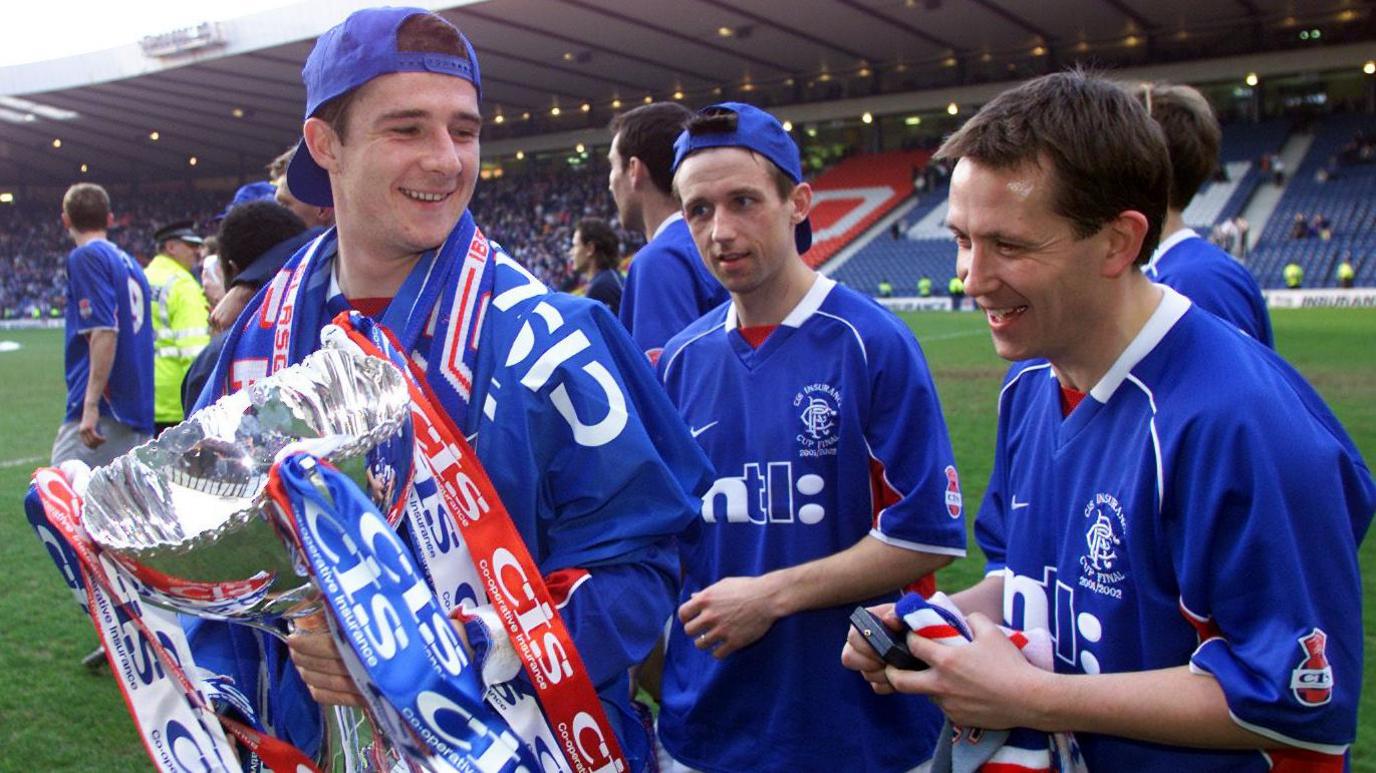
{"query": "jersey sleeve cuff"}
[(920, 547), (1266, 732), (1217, 648)]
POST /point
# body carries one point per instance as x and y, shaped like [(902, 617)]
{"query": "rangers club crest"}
[(1105, 530), (817, 410), (1312, 679)]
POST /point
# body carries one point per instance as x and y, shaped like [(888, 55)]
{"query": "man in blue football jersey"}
[(586, 453), (667, 286), (1202, 272), (835, 479), (109, 353), (1170, 500)]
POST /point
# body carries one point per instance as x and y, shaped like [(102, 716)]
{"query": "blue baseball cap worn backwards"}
[(349, 55), (256, 191), (755, 130)]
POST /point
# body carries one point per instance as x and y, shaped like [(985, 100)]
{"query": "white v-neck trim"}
[(821, 287)]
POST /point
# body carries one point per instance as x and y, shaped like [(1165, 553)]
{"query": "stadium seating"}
[(1346, 199), (851, 196), (925, 249), (1243, 147), (532, 215), (34, 245)]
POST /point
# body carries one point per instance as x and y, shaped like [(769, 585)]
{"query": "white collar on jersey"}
[(668, 221), (821, 287), (1167, 244), (1172, 307)]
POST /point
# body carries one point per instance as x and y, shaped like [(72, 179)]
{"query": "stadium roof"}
[(229, 94)]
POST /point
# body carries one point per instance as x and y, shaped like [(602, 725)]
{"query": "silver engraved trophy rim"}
[(203, 482)]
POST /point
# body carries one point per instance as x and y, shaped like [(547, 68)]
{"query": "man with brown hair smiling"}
[(1169, 499), (580, 443)]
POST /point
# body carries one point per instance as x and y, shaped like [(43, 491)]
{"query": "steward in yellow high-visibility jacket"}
[(181, 318)]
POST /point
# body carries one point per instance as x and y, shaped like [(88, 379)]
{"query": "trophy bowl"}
[(191, 504)]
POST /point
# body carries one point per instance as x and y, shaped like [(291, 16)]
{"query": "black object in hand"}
[(888, 645)]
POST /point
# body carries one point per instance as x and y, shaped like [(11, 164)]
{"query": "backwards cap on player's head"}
[(349, 55), (746, 126)]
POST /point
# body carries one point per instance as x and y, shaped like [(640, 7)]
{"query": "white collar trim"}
[(1172, 307), (821, 288), (1169, 243), (668, 221)]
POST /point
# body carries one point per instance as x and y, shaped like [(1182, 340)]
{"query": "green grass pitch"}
[(54, 715)]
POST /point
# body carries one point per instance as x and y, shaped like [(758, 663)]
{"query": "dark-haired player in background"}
[(667, 286), (594, 253), (109, 352), (1199, 270)]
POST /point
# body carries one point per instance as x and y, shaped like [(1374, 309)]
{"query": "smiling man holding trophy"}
[(544, 548)]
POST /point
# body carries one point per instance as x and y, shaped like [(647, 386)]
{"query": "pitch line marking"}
[(21, 462)]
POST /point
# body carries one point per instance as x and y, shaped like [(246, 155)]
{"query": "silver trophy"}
[(191, 505)]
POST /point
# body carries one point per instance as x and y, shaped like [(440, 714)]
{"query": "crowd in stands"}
[(531, 214), (1318, 226), (34, 245), (1231, 236)]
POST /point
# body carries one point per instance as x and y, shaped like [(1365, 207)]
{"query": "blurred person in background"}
[(595, 254), (181, 327)]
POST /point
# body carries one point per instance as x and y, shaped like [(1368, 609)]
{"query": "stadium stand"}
[(925, 249), (851, 196), (1346, 156), (34, 246), (531, 214), (1345, 197), (1241, 153)]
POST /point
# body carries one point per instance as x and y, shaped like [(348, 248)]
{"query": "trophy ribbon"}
[(399, 646), (509, 574), (146, 648)]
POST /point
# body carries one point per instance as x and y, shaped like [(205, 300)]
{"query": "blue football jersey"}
[(106, 290), (1200, 507), (829, 431), (590, 459), (1214, 281), (667, 287)]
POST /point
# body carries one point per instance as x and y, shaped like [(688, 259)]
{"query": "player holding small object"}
[(1170, 500), (667, 286), (836, 482), (109, 353), (1200, 271), (585, 451)]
